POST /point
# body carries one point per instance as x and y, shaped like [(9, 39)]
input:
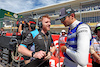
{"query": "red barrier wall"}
[(55, 37), (9, 34)]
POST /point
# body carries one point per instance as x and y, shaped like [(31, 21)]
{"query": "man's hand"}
[(99, 61), (39, 54), (48, 56), (63, 48)]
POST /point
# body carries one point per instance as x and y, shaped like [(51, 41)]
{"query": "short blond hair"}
[(41, 18)]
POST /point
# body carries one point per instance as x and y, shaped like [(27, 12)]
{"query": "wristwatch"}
[(33, 53)]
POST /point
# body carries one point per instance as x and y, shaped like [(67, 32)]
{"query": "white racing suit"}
[(78, 43)]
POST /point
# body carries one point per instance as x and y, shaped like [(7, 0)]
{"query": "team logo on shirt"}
[(39, 37)]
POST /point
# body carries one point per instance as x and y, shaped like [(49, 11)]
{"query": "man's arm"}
[(25, 51), (20, 28), (23, 46), (94, 54), (50, 53)]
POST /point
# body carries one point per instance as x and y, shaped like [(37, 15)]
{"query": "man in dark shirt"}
[(41, 40)]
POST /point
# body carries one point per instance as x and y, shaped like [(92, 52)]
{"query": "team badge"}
[(39, 37)]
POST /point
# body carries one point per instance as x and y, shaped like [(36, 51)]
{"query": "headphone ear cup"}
[(40, 24)]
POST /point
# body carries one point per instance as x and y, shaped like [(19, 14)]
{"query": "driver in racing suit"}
[(76, 50)]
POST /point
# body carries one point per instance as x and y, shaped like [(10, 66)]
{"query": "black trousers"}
[(94, 64), (38, 63), (46, 64)]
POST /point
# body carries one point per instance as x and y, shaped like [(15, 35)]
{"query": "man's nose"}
[(49, 23)]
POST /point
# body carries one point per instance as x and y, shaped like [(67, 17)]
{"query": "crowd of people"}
[(89, 8), (36, 43)]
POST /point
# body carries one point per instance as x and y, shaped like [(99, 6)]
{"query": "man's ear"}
[(73, 15)]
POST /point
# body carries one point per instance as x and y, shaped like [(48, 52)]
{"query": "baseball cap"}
[(63, 31), (31, 20), (97, 27), (65, 12)]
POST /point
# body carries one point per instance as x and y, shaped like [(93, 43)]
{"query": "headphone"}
[(40, 22), (40, 25)]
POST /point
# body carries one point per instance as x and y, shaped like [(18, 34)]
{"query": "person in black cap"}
[(78, 39), (29, 25), (95, 47)]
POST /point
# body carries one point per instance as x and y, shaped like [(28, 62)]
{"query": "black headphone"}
[(40, 22)]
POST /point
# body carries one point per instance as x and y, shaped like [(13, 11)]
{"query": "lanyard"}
[(45, 38)]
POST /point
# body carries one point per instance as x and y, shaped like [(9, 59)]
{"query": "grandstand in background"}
[(87, 11)]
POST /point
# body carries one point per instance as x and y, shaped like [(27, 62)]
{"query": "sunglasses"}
[(63, 19)]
